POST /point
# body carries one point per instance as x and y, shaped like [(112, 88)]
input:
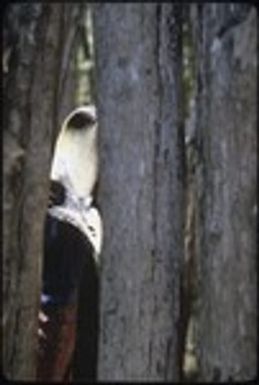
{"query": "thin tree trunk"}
[(226, 125), (138, 57), (33, 51)]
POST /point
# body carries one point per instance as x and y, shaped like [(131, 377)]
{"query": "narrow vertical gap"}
[(157, 124), (189, 364)]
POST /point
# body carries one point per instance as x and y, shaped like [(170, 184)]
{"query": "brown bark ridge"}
[(33, 51), (138, 59), (226, 41)]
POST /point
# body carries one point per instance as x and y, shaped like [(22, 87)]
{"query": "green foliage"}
[(84, 62)]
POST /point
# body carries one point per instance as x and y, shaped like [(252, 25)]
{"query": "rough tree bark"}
[(34, 50), (138, 58), (226, 127)]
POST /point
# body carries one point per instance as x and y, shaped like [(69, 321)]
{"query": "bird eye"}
[(91, 229)]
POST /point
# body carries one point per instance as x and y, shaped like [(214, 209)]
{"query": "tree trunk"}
[(138, 58), (33, 52), (226, 127)]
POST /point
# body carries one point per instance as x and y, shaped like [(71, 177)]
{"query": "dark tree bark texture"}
[(226, 41), (33, 53), (138, 58)]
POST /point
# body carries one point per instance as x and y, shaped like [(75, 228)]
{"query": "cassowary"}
[(72, 244)]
